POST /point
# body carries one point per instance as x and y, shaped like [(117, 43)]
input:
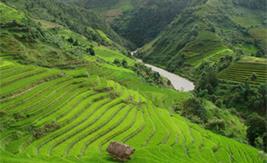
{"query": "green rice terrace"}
[(65, 97), (250, 69), (53, 115)]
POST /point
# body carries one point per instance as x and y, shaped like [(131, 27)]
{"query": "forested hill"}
[(75, 17), (204, 33), (139, 21)]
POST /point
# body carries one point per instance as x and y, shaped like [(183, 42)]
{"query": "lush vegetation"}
[(207, 33), (67, 93), (78, 19), (220, 46)]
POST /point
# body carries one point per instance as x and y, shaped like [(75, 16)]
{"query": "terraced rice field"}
[(89, 115), (215, 57), (243, 70)]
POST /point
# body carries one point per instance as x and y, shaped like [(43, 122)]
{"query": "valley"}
[(194, 92)]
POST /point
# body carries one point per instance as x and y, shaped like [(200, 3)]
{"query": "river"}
[(178, 82)]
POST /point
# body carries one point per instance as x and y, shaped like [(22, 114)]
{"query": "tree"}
[(263, 96), (217, 125), (70, 40), (253, 76), (117, 62), (194, 110), (91, 51), (124, 63), (76, 43), (176, 63), (264, 137), (256, 128), (208, 81)]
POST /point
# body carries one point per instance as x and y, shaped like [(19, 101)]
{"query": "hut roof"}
[(120, 151)]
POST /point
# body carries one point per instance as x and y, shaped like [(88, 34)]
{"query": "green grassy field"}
[(242, 71)]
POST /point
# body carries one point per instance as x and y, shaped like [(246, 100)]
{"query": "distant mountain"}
[(139, 21), (208, 32)]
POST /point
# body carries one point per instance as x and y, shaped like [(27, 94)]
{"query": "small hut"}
[(121, 152)]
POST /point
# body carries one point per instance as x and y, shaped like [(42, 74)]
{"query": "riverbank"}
[(179, 83)]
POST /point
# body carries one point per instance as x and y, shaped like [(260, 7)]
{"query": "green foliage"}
[(247, 97), (194, 110), (117, 62), (149, 75), (75, 17), (207, 33), (217, 125), (91, 51), (253, 4), (134, 24), (9, 14), (74, 113), (176, 63), (256, 130), (44, 130), (124, 63), (208, 79)]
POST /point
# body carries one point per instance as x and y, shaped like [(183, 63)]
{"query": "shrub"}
[(264, 137), (91, 51), (253, 76), (76, 43), (40, 132), (114, 95), (2, 113), (124, 63), (70, 40), (82, 75), (117, 62), (256, 128), (217, 125), (194, 110), (215, 148)]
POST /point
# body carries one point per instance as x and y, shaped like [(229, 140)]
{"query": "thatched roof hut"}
[(119, 151)]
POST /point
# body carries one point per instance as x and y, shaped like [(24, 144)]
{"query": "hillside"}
[(218, 45), (138, 21), (64, 97), (206, 33), (74, 17)]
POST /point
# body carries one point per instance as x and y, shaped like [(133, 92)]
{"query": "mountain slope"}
[(54, 113), (78, 19), (139, 21), (206, 32)]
